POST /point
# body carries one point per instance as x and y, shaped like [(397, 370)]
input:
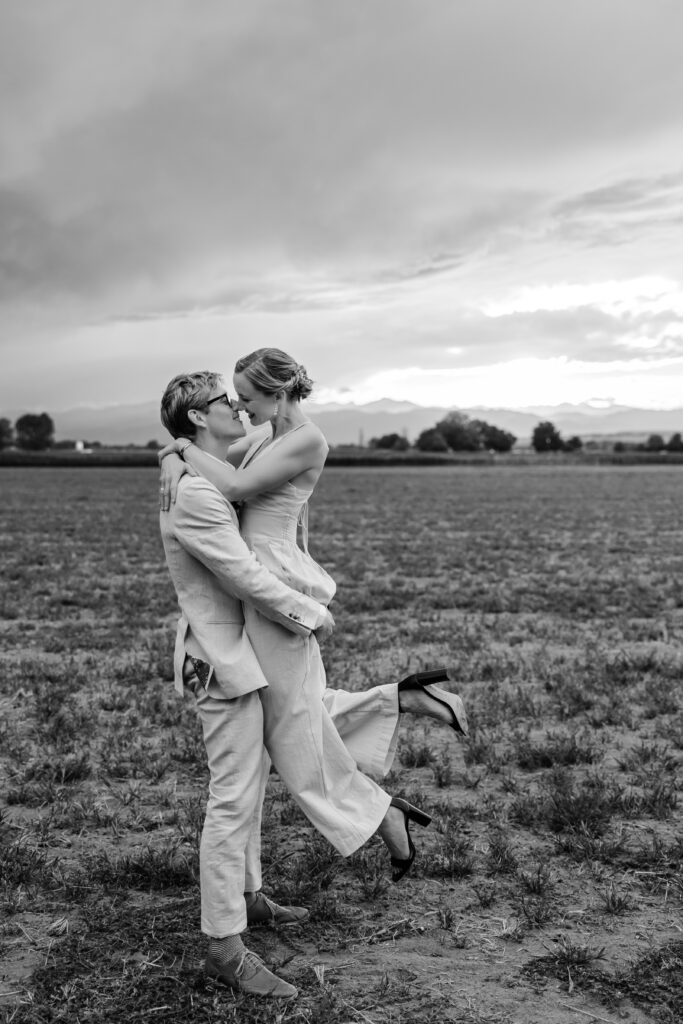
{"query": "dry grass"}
[(550, 882)]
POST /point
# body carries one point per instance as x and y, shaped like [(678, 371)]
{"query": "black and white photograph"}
[(341, 544)]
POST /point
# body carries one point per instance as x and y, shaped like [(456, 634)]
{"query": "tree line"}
[(33, 432), (456, 432)]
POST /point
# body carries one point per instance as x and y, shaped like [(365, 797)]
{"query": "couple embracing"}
[(253, 606)]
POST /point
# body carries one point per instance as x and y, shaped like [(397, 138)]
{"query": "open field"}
[(549, 888)]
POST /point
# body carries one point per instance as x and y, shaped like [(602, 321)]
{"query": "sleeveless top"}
[(269, 523)]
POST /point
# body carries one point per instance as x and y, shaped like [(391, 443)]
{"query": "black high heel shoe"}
[(423, 680), (402, 865)]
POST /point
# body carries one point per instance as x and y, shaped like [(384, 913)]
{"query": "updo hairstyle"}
[(271, 370)]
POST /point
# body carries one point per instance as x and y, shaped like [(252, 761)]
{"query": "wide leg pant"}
[(308, 752)]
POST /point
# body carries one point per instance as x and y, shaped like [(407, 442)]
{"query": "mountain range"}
[(358, 424)]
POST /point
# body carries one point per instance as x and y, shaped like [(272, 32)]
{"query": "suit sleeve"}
[(205, 528)]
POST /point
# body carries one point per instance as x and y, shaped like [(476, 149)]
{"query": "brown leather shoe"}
[(265, 911), (248, 973)]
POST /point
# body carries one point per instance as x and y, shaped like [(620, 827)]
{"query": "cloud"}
[(360, 183)]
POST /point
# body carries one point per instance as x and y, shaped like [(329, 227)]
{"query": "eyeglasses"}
[(220, 398)]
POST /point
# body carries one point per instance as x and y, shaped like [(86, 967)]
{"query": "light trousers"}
[(229, 852), (309, 754), (320, 749)]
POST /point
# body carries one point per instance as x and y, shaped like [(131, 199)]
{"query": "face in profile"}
[(258, 406), (222, 416)]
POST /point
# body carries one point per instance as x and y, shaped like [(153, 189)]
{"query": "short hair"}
[(186, 391), (271, 370)]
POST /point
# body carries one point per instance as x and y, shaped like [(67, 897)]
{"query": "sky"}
[(450, 202)]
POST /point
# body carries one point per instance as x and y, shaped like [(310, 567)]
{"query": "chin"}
[(258, 421)]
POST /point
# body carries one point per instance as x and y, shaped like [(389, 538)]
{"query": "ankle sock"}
[(225, 949)]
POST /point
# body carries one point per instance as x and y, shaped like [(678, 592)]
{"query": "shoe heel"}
[(418, 816), (411, 813), (419, 679)]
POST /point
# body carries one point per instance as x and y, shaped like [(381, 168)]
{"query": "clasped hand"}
[(326, 628)]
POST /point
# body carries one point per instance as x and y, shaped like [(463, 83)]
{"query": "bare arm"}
[(172, 467), (239, 449), (297, 452)]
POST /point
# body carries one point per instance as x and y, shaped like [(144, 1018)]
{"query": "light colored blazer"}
[(213, 571)]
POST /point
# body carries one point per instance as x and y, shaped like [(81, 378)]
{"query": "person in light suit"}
[(213, 571), (347, 806)]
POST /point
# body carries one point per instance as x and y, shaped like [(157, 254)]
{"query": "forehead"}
[(244, 386)]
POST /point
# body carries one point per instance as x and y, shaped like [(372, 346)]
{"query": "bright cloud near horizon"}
[(439, 201)]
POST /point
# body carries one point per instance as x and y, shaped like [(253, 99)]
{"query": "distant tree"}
[(655, 443), (546, 438), (619, 446), (675, 443), (493, 438), (6, 433), (34, 432), (431, 440), (394, 442), (156, 445), (574, 444), (460, 432)]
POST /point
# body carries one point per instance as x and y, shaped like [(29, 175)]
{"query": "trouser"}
[(300, 736), (229, 853), (368, 724)]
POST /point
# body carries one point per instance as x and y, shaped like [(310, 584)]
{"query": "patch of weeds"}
[(51, 684), (515, 930), (190, 820), (33, 794), (486, 893), (570, 962), (442, 769), (587, 805), (500, 857), (614, 903), (538, 881), (557, 748), (573, 698), (187, 747), (526, 809), (369, 865), (648, 753), (305, 874), (60, 770), (654, 983), (451, 856), (14, 899), (671, 730), (581, 844), (658, 799), (149, 868), (413, 756), (536, 910), (660, 696), (481, 749), (21, 864)]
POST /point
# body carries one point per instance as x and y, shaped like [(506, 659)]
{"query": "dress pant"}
[(230, 851), (229, 854), (342, 803)]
